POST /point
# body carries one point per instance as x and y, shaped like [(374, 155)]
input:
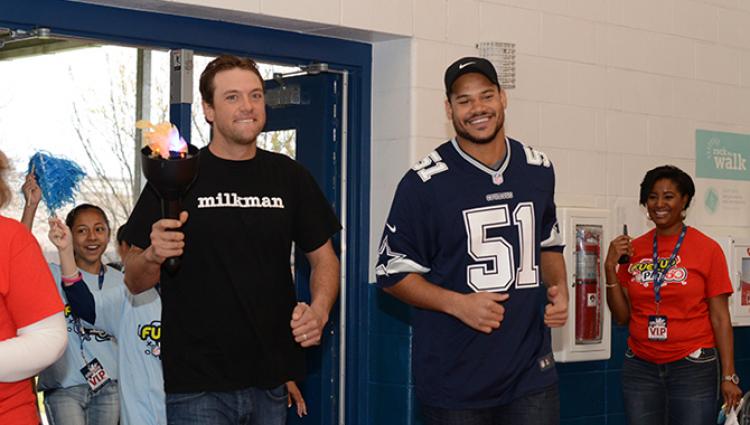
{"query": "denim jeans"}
[(78, 405), (683, 392), (541, 408), (250, 406)]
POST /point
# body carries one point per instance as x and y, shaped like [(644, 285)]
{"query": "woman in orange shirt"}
[(673, 295), (32, 326)]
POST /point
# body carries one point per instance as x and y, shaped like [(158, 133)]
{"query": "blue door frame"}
[(156, 30), (318, 137)]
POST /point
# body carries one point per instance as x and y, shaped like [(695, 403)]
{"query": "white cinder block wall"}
[(608, 88)]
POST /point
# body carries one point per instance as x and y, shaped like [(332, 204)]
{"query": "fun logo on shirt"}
[(643, 272), (151, 334)]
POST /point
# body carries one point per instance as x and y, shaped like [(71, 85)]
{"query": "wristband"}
[(72, 278)]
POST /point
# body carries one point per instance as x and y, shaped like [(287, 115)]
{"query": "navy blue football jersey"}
[(467, 227)]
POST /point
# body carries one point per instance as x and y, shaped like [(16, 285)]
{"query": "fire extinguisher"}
[(588, 291)]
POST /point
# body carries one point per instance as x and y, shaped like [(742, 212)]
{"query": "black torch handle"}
[(171, 265), (624, 258), (171, 209)]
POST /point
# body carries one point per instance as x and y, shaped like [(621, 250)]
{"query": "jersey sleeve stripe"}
[(554, 238), (400, 265)]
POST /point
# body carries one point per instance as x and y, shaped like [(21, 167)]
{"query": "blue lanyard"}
[(77, 321), (660, 273), (101, 277)]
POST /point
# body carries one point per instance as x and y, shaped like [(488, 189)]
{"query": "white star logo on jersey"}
[(393, 257), (397, 262)]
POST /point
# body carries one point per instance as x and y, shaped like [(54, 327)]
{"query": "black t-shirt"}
[(226, 312)]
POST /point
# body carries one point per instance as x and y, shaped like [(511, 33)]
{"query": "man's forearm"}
[(481, 311), (324, 287), (325, 275), (415, 290), (142, 271), (553, 270)]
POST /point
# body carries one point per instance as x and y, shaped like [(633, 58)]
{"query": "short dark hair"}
[(680, 179), (120, 235), (223, 63), (73, 214)]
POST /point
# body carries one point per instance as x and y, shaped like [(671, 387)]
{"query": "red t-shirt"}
[(27, 295), (700, 273)]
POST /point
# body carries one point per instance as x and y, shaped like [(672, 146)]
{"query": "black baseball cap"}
[(467, 65)]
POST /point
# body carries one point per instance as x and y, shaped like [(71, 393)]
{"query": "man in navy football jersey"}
[(472, 242)]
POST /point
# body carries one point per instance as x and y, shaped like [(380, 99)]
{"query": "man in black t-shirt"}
[(232, 331)]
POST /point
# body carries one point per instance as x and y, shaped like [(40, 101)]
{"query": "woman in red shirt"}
[(677, 311), (32, 325)]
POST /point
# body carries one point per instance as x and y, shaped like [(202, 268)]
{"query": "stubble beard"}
[(483, 141), (235, 137)]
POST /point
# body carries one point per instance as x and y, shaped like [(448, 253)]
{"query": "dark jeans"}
[(683, 392), (250, 406), (541, 408)]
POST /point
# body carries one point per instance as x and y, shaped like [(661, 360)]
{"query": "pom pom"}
[(58, 179)]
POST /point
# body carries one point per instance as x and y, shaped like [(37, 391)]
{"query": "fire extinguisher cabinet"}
[(586, 335), (738, 258), (737, 253)]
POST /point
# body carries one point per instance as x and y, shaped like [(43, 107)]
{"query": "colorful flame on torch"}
[(163, 139)]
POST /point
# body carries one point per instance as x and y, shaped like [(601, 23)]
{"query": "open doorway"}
[(82, 106), (202, 33)]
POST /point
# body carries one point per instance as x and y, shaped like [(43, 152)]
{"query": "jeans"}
[(683, 392), (541, 408), (78, 405), (250, 406)]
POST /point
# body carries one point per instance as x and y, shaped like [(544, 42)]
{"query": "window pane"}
[(282, 141)]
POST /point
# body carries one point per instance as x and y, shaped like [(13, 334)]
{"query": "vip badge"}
[(95, 375), (657, 328)]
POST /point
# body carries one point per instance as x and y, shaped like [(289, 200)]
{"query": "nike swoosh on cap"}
[(464, 65)]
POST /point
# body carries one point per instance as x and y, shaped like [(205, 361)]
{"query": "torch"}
[(170, 165)]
